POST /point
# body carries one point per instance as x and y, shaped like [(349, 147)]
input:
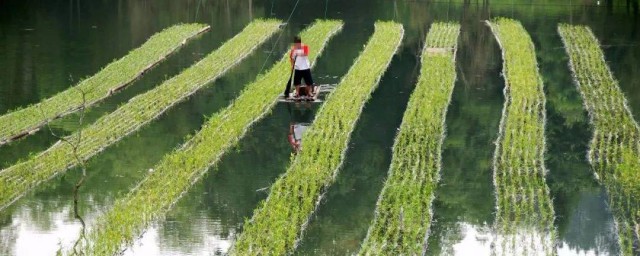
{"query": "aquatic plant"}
[(524, 217), (111, 79), (280, 220), (140, 110), (177, 171), (403, 212), (614, 151)]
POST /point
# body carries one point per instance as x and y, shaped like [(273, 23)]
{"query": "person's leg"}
[(287, 90), (297, 80), (308, 79)]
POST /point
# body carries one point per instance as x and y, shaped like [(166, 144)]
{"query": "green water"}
[(46, 46)]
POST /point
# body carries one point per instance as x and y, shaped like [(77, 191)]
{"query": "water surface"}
[(47, 46)]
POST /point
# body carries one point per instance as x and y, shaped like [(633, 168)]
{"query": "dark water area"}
[(48, 46)]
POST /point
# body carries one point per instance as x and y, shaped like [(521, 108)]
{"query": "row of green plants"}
[(113, 77), (403, 212), (279, 221), (524, 216), (615, 147), (176, 172), (140, 110)]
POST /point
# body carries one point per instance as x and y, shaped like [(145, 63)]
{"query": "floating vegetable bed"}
[(403, 212), (524, 218), (112, 78), (615, 147), (279, 221), (140, 110), (176, 172)]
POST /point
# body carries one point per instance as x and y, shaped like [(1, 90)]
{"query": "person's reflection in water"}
[(301, 117)]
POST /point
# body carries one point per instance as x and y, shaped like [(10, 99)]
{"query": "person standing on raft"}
[(299, 57)]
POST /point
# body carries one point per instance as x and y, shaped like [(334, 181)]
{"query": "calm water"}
[(46, 46)]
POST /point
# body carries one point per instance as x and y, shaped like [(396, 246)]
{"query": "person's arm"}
[(291, 56), (295, 145), (292, 141)]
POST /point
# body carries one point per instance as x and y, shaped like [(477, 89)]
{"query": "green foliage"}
[(614, 149), (278, 222), (176, 172), (101, 85), (525, 211), (140, 110), (628, 171), (403, 213)]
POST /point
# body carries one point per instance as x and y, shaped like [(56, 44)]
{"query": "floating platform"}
[(320, 89), (439, 50)]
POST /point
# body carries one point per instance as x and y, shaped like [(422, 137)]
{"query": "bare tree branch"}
[(75, 145)]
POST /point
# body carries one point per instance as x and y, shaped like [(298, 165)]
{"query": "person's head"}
[(297, 40)]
